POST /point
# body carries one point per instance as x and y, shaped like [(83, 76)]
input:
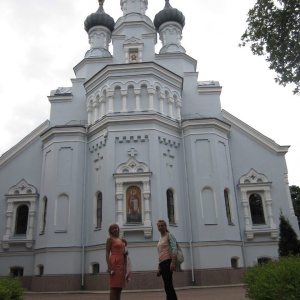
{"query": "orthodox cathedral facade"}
[(138, 138)]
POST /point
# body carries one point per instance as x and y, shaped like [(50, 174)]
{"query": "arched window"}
[(44, 216), (257, 210), (171, 206), (21, 219), (227, 206), (99, 209)]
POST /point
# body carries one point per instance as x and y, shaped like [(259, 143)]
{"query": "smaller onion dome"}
[(169, 14), (99, 18)]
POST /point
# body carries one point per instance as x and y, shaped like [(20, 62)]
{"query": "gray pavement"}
[(191, 293)]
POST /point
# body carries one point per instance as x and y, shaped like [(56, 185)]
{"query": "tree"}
[(295, 195), (273, 30), (288, 240)]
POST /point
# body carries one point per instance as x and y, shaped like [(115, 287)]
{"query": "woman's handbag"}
[(179, 255)]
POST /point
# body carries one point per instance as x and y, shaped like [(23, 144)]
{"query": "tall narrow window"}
[(227, 206), (170, 206), (44, 214), (257, 210), (21, 219), (99, 209)]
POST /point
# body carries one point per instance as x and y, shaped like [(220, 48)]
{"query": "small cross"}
[(169, 163), (132, 152)]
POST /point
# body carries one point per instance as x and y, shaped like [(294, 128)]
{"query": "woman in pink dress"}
[(116, 259)]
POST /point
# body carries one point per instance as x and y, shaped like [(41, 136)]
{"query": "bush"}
[(275, 279), (11, 289)]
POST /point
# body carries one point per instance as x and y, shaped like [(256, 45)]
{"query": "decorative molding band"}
[(165, 141), (130, 139), (98, 145)]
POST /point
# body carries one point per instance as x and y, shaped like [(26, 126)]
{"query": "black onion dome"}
[(99, 18), (169, 14)]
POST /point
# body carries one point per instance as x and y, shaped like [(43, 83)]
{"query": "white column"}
[(161, 103), (31, 220), (170, 103), (147, 211), (269, 209), (90, 115), (140, 55), (246, 211), (137, 93), (102, 106), (151, 92), (120, 212), (110, 96), (178, 109), (124, 101), (96, 110), (126, 56)]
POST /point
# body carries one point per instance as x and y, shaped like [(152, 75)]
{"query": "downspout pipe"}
[(189, 206), (83, 211)]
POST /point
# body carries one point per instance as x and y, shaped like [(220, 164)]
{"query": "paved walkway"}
[(192, 293)]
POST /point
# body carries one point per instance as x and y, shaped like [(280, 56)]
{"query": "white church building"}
[(135, 139)]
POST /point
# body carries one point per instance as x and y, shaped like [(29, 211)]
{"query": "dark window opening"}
[(257, 210), (99, 209), (21, 219), (16, 272), (170, 206), (227, 206)]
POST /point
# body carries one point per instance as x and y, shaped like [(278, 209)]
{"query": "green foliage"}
[(11, 289), (288, 240), (295, 195), (273, 30), (276, 279)]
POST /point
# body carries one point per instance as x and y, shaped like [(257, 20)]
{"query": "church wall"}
[(8, 260), (62, 184), (266, 162), (206, 185), (25, 165), (253, 251), (217, 255)]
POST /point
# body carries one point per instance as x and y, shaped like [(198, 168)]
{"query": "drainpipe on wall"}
[(189, 209), (83, 211), (238, 215)]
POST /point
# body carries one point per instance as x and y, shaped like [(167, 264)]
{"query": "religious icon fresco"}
[(133, 205)]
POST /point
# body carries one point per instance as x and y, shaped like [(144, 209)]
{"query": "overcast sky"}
[(42, 40)]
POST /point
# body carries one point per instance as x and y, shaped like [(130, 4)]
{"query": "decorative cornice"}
[(254, 134), (56, 131), (209, 87), (205, 123), (134, 69), (126, 119), (24, 143)]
